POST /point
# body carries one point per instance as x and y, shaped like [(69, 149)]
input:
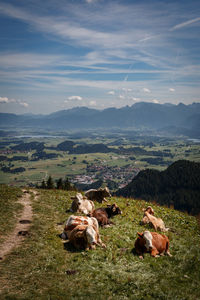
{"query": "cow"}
[(157, 223), (74, 221), (81, 204), (84, 237), (98, 195), (152, 242), (103, 214), (145, 219)]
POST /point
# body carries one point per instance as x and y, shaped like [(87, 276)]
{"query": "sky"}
[(57, 55)]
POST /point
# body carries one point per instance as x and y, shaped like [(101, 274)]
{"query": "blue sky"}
[(57, 55)]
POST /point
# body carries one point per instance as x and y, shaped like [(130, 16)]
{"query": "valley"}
[(88, 156)]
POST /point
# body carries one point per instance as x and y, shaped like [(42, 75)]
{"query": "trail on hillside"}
[(23, 223)]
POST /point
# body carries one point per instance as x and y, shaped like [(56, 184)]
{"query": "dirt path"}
[(23, 223)]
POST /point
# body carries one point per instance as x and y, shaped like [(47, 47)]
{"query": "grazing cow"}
[(74, 221), (103, 214), (81, 204), (98, 195), (152, 242), (157, 223)]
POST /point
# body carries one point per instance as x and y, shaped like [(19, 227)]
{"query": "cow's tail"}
[(167, 249)]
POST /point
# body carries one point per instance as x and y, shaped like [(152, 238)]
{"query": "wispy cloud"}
[(186, 23)]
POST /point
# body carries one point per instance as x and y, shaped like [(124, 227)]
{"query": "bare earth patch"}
[(17, 236)]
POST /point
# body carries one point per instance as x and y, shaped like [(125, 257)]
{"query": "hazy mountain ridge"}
[(179, 118)]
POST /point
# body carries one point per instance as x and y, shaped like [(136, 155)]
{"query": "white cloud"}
[(7, 100), (92, 103), (127, 90), (121, 97), (135, 99), (155, 101), (146, 90), (172, 90), (23, 104), (90, 1), (76, 98), (4, 100), (111, 93)]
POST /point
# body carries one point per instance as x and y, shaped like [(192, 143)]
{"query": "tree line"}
[(60, 184)]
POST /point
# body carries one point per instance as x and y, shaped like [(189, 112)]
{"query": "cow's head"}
[(147, 237), (105, 192), (145, 219), (78, 199), (114, 209)]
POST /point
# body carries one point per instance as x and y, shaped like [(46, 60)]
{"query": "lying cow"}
[(84, 237), (152, 242), (70, 233), (149, 218), (81, 204), (98, 195), (103, 214)]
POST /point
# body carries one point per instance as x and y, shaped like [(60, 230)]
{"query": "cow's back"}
[(160, 241)]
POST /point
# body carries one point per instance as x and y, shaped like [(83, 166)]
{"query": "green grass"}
[(9, 208), (38, 269)]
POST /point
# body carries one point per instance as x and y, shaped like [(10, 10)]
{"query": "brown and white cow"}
[(81, 204), (70, 233), (145, 219), (103, 214), (84, 237), (98, 195), (152, 242)]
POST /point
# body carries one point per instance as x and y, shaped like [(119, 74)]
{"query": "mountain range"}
[(166, 118)]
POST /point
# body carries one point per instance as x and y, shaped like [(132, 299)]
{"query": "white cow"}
[(81, 204)]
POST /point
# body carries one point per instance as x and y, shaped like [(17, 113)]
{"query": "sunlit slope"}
[(46, 268)]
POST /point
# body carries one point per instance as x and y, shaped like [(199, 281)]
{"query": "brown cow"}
[(152, 242), (103, 214), (98, 195), (74, 221), (157, 223), (84, 237)]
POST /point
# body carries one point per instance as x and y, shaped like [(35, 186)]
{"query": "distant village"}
[(120, 175)]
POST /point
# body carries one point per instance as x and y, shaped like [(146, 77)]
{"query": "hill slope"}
[(46, 268), (178, 185)]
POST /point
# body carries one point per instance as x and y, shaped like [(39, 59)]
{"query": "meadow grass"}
[(46, 268), (9, 208)]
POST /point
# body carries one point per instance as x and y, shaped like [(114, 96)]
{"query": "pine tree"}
[(43, 185), (60, 185), (50, 183), (67, 185)]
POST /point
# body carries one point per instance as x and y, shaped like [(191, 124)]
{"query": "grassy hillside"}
[(46, 268)]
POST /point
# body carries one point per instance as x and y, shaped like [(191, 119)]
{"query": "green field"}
[(46, 268), (70, 165)]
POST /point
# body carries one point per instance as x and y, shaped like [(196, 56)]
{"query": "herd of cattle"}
[(83, 231)]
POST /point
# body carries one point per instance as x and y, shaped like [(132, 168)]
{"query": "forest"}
[(178, 186)]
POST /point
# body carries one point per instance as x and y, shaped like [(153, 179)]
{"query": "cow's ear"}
[(140, 234)]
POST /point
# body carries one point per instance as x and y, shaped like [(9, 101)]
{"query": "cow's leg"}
[(154, 252)]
